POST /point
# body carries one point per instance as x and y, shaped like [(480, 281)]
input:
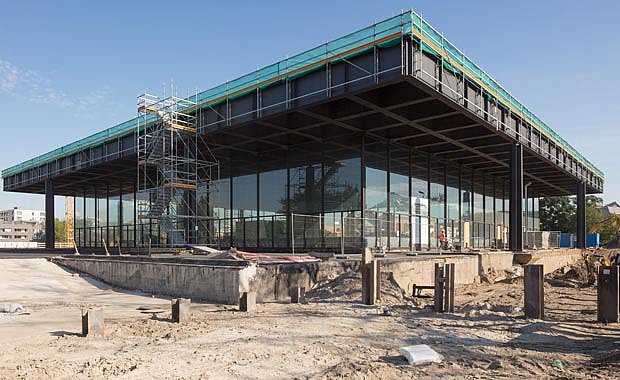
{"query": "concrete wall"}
[(557, 258), (224, 284), (218, 284)]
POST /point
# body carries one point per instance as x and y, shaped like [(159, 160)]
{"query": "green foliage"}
[(559, 214), (60, 231)]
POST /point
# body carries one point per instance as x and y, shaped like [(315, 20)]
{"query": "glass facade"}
[(374, 193)]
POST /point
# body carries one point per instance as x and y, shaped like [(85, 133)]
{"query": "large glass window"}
[(245, 211), (113, 220), (376, 190), (399, 197), (419, 201), (90, 222), (536, 214), (244, 196), (273, 195), (306, 189), (273, 192), (102, 218), (127, 234), (478, 227), (342, 185), (79, 220), (467, 200), (438, 196), (219, 198)]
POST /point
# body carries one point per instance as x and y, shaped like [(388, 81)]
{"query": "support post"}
[(50, 237), (298, 294), (581, 215), (247, 303), (92, 322), (181, 310), (370, 278), (444, 288), (534, 291), (516, 198), (608, 284)]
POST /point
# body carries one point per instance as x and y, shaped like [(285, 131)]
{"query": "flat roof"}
[(380, 33)]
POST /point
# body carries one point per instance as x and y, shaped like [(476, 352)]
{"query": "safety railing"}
[(494, 120), (541, 239), (435, 41)]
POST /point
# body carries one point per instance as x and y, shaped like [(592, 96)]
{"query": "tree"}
[(60, 231), (558, 214)]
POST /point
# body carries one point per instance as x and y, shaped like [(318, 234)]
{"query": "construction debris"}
[(421, 354), (237, 255), (13, 308)]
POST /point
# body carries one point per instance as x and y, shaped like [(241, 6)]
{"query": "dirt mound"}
[(348, 287), (573, 276)]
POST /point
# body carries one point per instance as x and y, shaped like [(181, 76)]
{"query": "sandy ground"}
[(332, 336)]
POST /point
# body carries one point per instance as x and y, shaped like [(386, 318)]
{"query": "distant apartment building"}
[(20, 215), (610, 208), (16, 232)]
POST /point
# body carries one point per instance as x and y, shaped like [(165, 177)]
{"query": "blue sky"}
[(72, 68)]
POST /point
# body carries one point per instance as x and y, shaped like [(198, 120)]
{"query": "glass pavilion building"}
[(381, 138)]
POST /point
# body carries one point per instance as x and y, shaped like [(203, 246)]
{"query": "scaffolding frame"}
[(173, 163)]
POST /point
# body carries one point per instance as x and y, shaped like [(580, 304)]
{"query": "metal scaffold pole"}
[(174, 162)]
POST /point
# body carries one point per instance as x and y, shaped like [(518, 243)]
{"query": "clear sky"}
[(72, 68)]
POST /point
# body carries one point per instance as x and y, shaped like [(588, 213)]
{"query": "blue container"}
[(593, 240), (567, 240)]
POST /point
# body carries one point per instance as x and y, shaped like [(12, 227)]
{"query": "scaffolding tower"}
[(174, 163)]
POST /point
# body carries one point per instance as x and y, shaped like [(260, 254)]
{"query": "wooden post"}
[(298, 294), (181, 310), (247, 303), (444, 288), (533, 281), (608, 283), (92, 322)]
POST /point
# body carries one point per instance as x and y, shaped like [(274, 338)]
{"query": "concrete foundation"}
[(220, 282)]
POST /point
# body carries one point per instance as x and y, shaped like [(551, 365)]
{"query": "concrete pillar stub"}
[(92, 322), (247, 302), (533, 281), (607, 296), (181, 310)]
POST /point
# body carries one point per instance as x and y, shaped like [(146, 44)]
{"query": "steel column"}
[(581, 215), (516, 198), (50, 237)]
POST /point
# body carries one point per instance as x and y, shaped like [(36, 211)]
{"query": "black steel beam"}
[(516, 198), (581, 215), (50, 237)]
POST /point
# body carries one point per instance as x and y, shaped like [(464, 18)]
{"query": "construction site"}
[(366, 209)]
